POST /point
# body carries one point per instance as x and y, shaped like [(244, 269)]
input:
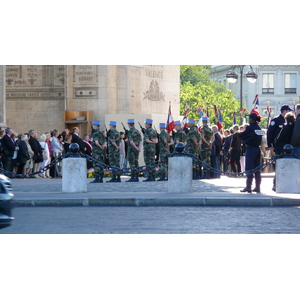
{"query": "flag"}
[(170, 122), (269, 110), (234, 117), (255, 98), (200, 112), (243, 115), (185, 118), (255, 109), (218, 116), (207, 113)]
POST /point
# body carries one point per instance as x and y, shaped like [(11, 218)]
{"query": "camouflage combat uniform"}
[(114, 153), (180, 136), (149, 151), (191, 148), (207, 134), (133, 155), (163, 151), (97, 152)]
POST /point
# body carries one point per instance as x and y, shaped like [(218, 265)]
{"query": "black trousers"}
[(252, 161), (235, 160), (8, 163)]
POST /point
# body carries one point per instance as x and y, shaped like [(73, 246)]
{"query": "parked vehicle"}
[(6, 202)]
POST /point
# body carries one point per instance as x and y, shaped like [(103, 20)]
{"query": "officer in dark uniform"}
[(252, 139), (275, 127), (273, 131)]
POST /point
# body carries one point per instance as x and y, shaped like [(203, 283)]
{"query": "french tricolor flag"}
[(185, 118), (170, 122), (255, 109)]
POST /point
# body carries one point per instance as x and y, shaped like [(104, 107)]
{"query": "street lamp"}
[(232, 78)]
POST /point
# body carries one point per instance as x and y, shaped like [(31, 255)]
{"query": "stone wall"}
[(37, 96), (2, 97)]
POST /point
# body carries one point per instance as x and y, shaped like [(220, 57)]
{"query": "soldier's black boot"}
[(114, 179), (136, 178), (162, 177), (101, 179), (150, 178), (118, 179), (96, 180)]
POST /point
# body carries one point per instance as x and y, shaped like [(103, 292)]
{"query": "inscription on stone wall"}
[(85, 74), (24, 76), (31, 82), (154, 73), (34, 94), (59, 75)]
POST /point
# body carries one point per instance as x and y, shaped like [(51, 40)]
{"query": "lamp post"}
[(232, 78)]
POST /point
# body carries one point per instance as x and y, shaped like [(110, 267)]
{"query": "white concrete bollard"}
[(180, 174), (288, 175), (74, 175)]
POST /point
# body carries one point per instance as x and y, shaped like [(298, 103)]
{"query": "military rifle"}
[(142, 129), (107, 153), (125, 130), (93, 130), (157, 145)]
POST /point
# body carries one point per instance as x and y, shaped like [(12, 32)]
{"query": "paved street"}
[(218, 192), (155, 220)]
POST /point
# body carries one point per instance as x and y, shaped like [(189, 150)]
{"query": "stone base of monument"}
[(180, 174), (74, 175), (288, 175)]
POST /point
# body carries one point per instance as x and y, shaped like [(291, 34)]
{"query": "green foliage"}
[(198, 89), (263, 123)]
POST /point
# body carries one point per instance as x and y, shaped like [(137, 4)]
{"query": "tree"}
[(198, 90)]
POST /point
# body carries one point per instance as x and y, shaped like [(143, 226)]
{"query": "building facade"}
[(275, 85), (47, 97)]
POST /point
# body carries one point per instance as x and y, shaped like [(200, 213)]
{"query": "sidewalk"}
[(210, 192)]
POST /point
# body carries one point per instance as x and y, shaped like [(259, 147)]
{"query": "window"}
[(290, 83), (268, 84)]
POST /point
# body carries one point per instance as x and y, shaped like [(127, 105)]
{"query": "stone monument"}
[(37, 96), (288, 175)]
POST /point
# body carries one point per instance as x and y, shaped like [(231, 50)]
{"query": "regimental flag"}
[(218, 116), (269, 110), (185, 118), (255, 109), (170, 122), (207, 113), (234, 117), (243, 115), (200, 125), (200, 111)]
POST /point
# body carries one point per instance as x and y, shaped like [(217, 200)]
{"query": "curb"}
[(136, 201)]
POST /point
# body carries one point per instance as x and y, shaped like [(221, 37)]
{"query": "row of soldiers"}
[(191, 138)]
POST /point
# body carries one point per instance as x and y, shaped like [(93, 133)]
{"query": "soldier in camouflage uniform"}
[(149, 143), (98, 150), (134, 148), (180, 135), (193, 145), (206, 136), (114, 141), (165, 142)]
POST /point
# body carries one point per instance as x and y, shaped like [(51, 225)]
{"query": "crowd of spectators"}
[(232, 153), (29, 152)]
